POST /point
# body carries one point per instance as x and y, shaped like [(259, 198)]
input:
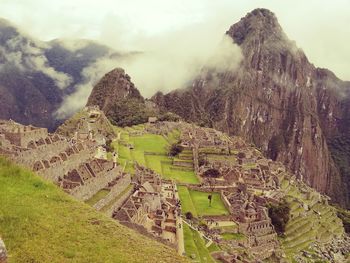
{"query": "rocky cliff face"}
[(276, 99)]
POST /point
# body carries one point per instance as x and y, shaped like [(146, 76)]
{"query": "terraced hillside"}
[(40, 223), (133, 144), (310, 220)]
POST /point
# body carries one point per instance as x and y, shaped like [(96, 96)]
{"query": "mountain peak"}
[(260, 23), (115, 85)]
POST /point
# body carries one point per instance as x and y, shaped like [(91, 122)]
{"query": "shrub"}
[(189, 216), (279, 215), (175, 149), (211, 173)]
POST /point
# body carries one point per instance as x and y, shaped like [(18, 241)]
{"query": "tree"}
[(211, 173), (175, 149), (279, 215), (189, 216)]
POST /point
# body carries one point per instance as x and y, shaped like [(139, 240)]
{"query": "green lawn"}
[(233, 236), (41, 223), (173, 136), (159, 162), (198, 204), (150, 143), (154, 162), (186, 201), (195, 246), (181, 176)]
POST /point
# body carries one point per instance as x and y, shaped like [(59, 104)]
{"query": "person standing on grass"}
[(210, 198)]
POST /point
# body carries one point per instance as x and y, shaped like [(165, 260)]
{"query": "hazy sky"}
[(321, 28)]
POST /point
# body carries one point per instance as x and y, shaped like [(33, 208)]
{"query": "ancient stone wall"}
[(118, 188), (63, 167), (119, 203), (93, 185), (29, 157)]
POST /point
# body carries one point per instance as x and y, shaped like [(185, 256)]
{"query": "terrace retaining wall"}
[(118, 188)]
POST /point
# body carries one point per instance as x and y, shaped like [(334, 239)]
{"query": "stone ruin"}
[(68, 162), (250, 212), (3, 252), (154, 205)]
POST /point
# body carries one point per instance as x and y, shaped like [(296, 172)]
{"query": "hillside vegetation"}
[(40, 223)]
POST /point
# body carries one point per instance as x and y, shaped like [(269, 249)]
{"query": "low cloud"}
[(27, 55), (166, 64)]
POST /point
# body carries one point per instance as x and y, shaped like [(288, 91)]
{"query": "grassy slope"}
[(40, 223), (306, 226), (195, 246)]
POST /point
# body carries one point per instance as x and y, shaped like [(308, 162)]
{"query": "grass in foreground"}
[(40, 223)]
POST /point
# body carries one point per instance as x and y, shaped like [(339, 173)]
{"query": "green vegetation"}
[(40, 223), (279, 215), (128, 112), (150, 143), (151, 151), (175, 149), (233, 236), (344, 215), (198, 204), (339, 147), (309, 221), (195, 246)]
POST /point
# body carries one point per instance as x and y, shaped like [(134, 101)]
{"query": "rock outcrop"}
[(277, 100), (3, 252)]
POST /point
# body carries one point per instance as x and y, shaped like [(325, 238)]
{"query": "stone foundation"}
[(118, 188), (93, 185)]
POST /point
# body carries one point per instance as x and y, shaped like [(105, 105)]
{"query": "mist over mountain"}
[(277, 100), (255, 83), (36, 76)]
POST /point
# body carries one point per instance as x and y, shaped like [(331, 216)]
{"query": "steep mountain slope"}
[(276, 99), (35, 76), (120, 100), (40, 223)]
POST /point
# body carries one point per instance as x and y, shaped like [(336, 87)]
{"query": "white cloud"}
[(29, 56), (318, 26)]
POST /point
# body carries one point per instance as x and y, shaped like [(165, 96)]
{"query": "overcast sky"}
[(321, 28)]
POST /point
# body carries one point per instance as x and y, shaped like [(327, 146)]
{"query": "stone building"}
[(69, 163), (251, 214), (153, 205)]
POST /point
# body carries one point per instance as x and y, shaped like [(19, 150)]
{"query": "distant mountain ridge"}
[(35, 76)]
